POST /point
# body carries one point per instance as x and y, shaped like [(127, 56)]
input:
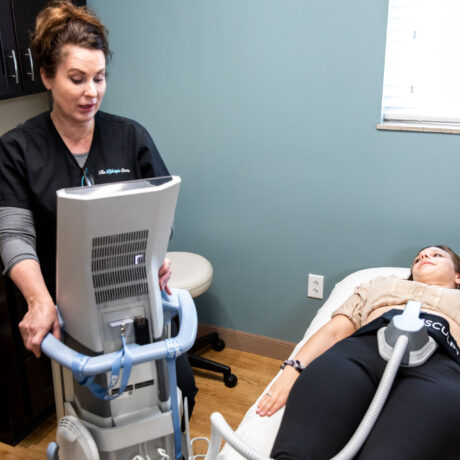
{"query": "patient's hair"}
[(455, 258), (62, 23)]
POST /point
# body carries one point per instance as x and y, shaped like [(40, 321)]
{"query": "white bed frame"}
[(260, 432)]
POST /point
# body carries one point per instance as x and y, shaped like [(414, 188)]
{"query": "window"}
[(421, 86)]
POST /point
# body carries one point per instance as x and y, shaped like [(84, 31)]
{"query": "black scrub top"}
[(35, 163)]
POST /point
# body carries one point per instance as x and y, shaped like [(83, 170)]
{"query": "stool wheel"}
[(218, 345), (230, 380)]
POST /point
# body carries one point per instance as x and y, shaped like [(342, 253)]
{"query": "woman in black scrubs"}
[(74, 144)]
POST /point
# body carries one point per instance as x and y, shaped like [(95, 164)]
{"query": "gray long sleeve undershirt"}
[(17, 236), (17, 231)]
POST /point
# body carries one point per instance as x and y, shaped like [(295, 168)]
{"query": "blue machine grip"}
[(180, 303)]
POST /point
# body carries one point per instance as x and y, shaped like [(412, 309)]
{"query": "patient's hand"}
[(276, 397)]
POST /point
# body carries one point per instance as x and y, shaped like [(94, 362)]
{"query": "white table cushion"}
[(260, 432), (190, 271)]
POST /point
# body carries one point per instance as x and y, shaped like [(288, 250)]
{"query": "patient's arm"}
[(338, 328)]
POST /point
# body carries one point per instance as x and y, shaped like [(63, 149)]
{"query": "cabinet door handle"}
[(31, 61), (15, 62)]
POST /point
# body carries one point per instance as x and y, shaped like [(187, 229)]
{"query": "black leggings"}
[(420, 420)]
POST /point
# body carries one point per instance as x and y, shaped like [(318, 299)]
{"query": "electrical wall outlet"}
[(315, 286)]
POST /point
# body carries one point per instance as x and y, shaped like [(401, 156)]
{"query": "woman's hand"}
[(336, 329), (37, 322), (276, 397), (164, 274), (42, 315)]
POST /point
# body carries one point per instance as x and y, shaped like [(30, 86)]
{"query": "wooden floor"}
[(253, 372)]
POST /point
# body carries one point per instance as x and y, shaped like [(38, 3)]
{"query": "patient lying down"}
[(329, 387)]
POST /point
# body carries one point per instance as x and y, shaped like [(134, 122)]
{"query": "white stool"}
[(194, 273)]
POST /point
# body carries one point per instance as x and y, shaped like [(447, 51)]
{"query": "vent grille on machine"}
[(118, 266)]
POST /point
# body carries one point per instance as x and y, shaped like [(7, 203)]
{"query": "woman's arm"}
[(338, 328), (17, 249), (41, 317), (17, 236), (25, 272)]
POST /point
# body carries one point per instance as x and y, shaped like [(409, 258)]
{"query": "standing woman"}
[(74, 144)]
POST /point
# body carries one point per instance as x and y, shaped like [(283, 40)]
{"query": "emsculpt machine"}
[(116, 392)]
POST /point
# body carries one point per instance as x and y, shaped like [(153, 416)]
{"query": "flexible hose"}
[(383, 390), (219, 428)]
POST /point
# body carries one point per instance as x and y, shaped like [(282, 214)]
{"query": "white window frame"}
[(420, 64)]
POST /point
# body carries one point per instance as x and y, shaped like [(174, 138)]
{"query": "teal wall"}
[(267, 109)]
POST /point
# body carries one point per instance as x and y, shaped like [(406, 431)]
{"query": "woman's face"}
[(435, 266), (78, 85)]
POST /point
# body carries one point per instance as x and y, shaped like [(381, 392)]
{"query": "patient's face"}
[(435, 266)]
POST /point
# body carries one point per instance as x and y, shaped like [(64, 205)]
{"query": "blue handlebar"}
[(180, 303)]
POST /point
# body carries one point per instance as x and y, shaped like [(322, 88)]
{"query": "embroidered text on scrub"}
[(103, 172)]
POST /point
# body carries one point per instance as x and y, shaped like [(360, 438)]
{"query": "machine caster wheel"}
[(218, 345), (230, 380)]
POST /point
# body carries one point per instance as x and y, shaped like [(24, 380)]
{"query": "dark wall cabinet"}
[(19, 74), (26, 393)]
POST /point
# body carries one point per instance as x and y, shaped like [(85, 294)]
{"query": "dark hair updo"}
[(62, 23)]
